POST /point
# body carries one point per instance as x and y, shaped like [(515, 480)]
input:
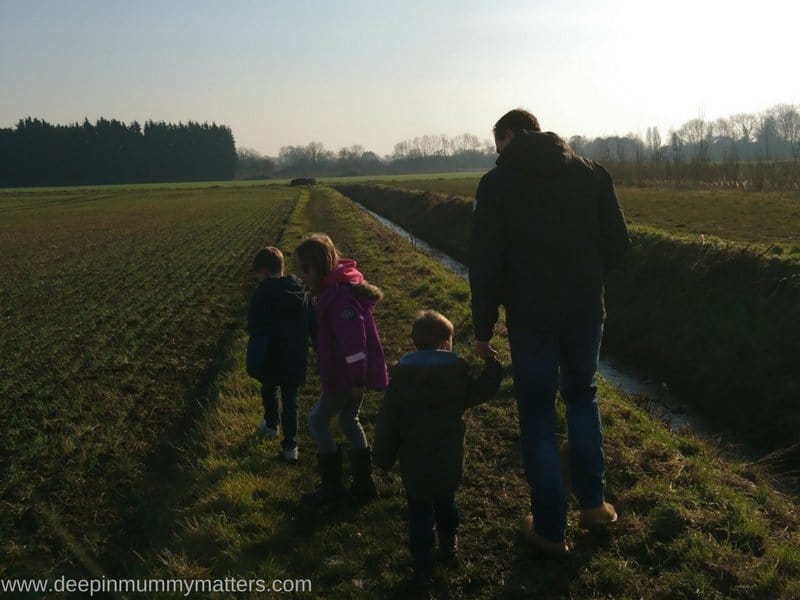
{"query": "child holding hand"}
[(421, 423)]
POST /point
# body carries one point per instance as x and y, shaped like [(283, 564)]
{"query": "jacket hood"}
[(345, 272), (283, 292), (537, 154)]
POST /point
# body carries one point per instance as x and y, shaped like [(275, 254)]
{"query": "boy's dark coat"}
[(421, 422), (278, 324)]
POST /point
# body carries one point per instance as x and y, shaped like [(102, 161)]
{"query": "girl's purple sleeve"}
[(348, 327)]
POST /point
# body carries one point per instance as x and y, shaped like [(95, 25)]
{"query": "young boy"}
[(278, 347), (421, 422)]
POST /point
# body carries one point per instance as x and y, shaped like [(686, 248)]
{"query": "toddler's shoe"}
[(541, 544), (599, 517), (290, 454), (424, 572), (266, 431)]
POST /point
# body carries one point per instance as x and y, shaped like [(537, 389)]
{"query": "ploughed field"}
[(115, 306)]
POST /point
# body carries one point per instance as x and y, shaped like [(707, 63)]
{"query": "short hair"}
[(518, 119), (270, 259), (430, 330), (317, 251)]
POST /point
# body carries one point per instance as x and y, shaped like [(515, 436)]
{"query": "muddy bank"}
[(721, 327)]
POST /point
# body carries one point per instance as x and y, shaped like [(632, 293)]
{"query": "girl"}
[(351, 359)]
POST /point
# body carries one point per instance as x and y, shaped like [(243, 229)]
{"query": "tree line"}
[(37, 153), (425, 154), (745, 150), (748, 151)]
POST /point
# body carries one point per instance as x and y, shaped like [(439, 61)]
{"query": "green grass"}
[(691, 524), (116, 307)]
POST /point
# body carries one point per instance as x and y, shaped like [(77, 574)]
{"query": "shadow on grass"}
[(151, 517), (535, 575)]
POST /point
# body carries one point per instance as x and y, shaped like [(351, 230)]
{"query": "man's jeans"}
[(536, 359), (288, 413)]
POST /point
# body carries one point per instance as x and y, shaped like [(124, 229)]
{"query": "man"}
[(547, 227)]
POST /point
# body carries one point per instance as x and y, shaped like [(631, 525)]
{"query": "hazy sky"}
[(374, 73)]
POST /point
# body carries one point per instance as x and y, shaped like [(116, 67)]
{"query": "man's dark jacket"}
[(421, 419), (546, 229), (278, 324)]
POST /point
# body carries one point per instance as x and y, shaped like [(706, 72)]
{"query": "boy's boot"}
[(330, 488), (448, 548), (424, 569), (363, 487)]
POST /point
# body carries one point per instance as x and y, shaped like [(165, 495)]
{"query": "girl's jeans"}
[(543, 364), (319, 422)]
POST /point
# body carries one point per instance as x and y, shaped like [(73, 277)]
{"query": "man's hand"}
[(484, 350)]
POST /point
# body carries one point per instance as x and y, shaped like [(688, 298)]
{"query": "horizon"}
[(357, 74)]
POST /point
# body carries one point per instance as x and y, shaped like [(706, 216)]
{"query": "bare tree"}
[(767, 132), (578, 144), (445, 145), (619, 145), (428, 145), (314, 152), (635, 140), (725, 138), (744, 127), (605, 149), (697, 133), (676, 147), (787, 124), (653, 141), (466, 142)]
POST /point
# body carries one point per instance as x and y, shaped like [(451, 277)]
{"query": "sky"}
[(374, 73)]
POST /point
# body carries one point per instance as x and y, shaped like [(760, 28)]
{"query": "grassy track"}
[(115, 308), (691, 525)]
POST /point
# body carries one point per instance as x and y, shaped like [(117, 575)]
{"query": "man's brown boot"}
[(597, 518), (541, 544)]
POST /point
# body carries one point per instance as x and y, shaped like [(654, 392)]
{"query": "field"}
[(139, 459), (116, 308)]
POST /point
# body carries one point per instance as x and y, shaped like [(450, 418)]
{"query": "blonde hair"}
[(317, 251), (430, 330)]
